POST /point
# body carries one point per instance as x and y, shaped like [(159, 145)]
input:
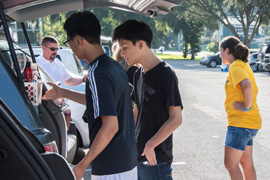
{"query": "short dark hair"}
[(48, 39), (236, 48), (84, 24), (133, 31)]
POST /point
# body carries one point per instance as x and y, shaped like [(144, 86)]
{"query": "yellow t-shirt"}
[(239, 71)]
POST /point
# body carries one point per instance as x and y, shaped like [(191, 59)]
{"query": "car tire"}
[(213, 64), (254, 67)]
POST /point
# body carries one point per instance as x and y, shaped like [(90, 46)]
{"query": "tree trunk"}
[(185, 49), (192, 51)]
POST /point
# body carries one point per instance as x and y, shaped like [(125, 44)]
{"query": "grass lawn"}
[(174, 57)]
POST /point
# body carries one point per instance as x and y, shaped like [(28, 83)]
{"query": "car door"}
[(22, 156), (44, 119)]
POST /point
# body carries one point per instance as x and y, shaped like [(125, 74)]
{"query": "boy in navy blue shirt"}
[(112, 150)]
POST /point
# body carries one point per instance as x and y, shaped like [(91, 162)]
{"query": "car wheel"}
[(254, 67), (213, 64)]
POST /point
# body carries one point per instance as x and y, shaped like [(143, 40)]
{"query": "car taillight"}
[(86, 61), (51, 147)]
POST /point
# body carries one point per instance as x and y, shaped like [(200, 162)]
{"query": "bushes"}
[(213, 47)]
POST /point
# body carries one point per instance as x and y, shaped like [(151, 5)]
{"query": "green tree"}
[(212, 47), (53, 25), (111, 18), (191, 26), (247, 12)]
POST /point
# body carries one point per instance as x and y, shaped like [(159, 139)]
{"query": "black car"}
[(211, 61)]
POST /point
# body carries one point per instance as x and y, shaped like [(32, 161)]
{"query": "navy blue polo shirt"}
[(108, 94)]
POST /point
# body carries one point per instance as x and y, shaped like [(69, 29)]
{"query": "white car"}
[(252, 62), (74, 67), (66, 56)]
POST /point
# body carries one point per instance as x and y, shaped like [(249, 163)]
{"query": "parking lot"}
[(198, 142)]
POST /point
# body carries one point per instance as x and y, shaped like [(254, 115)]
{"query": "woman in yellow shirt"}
[(244, 119)]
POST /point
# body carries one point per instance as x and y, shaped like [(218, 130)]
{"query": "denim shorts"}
[(160, 171), (238, 138)]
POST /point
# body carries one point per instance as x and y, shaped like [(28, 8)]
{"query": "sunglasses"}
[(66, 43), (52, 48)]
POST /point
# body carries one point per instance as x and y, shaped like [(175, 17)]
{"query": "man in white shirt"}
[(55, 68), (48, 61)]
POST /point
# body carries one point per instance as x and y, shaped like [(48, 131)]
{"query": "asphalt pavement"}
[(198, 142)]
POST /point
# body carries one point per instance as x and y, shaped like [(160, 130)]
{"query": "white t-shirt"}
[(55, 69)]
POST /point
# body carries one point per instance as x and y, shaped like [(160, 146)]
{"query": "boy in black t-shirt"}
[(158, 106), (109, 109)]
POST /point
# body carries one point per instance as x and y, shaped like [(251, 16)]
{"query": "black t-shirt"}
[(130, 72), (108, 94), (154, 91)]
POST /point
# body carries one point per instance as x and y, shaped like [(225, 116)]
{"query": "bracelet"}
[(247, 109)]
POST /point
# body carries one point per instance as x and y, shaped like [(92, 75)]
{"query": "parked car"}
[(85, 64), (107, 50), (263, 58), (14, 92), (22, 155), (66, 56), (253, 62), (224, 67), (211, 61), (44, 119), (74, 67)]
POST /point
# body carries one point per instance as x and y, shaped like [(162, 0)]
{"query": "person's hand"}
[(239, 106), (78, 172), (150, 155), (53, 93)]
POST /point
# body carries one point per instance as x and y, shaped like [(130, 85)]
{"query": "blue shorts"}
[(239, 138), (161, 171)]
